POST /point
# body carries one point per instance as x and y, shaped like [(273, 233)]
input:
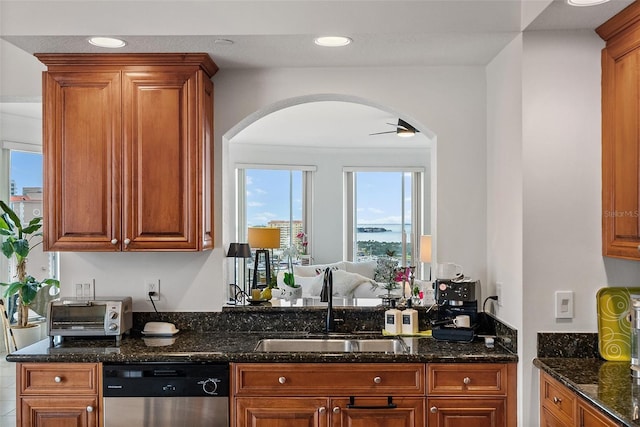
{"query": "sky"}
[(26, 169), (268, 196)]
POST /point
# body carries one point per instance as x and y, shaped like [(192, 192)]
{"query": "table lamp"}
[(239, 250), (263, 239), (425, 251)]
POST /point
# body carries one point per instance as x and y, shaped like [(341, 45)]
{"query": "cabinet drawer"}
[(329, 379), (557, 399), (57, 378), (463, 379)]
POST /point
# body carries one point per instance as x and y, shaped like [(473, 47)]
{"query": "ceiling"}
[(269, 34)]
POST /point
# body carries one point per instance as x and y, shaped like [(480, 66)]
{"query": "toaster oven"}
[(102, 317)]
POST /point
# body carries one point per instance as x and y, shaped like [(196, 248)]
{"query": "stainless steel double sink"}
[(332, 345)]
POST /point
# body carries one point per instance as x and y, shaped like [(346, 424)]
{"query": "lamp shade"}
[(239, 250), (425, 248), (264, 237)]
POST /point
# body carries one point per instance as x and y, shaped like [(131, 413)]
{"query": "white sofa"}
[(350, 279)]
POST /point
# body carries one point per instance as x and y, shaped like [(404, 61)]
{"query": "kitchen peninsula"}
[(429, 379)]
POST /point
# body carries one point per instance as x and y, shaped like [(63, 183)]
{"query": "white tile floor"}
[(7, 392)]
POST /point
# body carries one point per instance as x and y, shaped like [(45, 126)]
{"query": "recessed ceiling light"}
[(108, 42), (585, 2), (332, 41)]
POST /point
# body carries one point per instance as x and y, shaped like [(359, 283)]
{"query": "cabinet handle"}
[(127, 242), (89, 408), (639, 248), (58, 379), (557, 400), (466, 380), (282, 380), (336, 410), (322, 410), (114, 241), (433, 409), (377, 380)]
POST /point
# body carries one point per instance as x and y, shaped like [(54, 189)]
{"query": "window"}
[(384, 212), (270, 196), (24, 180)]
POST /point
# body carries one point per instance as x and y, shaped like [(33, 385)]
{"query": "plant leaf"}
[(11, 214), (32, 229), (7, 248), (21, 247)]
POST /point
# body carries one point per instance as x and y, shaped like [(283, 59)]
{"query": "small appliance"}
[(101, 317), (456, 297)]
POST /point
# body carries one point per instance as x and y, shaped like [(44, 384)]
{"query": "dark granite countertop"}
[(608, 386), (191, 346)]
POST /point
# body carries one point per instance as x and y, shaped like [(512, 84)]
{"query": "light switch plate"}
[(564, 304)]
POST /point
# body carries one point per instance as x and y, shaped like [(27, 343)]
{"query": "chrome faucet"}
[(326, 295)]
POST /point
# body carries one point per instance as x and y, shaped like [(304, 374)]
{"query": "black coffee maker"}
[(456, 297)]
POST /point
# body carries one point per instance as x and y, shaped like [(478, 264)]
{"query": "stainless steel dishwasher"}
[(159, 395)]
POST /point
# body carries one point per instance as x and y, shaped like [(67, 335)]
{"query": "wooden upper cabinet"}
[(621, 134), (128, 152)]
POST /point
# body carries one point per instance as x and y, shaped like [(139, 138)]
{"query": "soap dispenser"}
[(393, 320), (409, 320)]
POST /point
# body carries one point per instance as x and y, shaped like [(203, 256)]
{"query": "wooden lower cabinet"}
[(471, 394), (560, 407), (324, 412), (281, 412), (328, 395), (466, 412), (588, 416), (373, 395), (58, 394)]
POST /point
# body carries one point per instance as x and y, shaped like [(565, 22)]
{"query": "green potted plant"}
[(17, 243)]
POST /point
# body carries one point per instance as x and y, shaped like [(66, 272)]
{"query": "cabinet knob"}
[(58, 379), (282, 380), (322, 410), (89, 408), (336, 410), (433, 409), (377, 380), (127, 242), (466, 380), (114, 241), (556, 400), (639, 248)]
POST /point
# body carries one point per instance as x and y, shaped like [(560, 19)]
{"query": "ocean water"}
[(393, 235)]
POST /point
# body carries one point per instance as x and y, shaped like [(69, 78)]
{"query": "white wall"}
[(504, 188), (559, 152), (450, 101)]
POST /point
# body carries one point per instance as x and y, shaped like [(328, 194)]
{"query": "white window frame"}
[(307, 192), (417, 204)]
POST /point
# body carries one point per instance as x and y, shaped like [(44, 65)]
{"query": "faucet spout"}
[(326, 295)]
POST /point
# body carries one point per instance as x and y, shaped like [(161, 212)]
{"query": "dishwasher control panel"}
[(165, 379)]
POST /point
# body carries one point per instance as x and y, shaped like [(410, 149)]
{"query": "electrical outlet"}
[(152, 285), (85, 289), (499, 293)]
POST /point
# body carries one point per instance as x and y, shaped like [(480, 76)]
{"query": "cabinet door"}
[(466, 412), (281, 412), (57, 412), (548, 419), (160, 160), (81, 146), (590, 417), (378, 412), (620, 152)]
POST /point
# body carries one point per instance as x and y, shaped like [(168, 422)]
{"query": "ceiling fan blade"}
[(380, 133)]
